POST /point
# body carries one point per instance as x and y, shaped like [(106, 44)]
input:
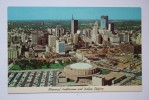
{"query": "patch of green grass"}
[(15, 67), (56, 66)]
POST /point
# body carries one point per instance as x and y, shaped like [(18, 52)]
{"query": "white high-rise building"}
[(95, 31), (52, 40), (23, 37), (60, 47)]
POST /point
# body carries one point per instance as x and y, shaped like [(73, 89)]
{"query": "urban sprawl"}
[(77, 53)]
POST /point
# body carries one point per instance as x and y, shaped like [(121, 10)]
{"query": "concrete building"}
[(75, 38), (60, 47), (97, 81), (130, 48), (95, 31), (80, 72), (69, 40), (99, 39), (34, 39), (138, 40), (49, 30), (111, 27), (23, 37), (107, 79), (52, 40), (114, 39), (13, 53), (124, 37), (47, 49)]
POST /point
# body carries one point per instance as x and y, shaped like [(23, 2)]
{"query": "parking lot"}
[(31, 79)]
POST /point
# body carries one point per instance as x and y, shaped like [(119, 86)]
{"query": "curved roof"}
[(80, 66)]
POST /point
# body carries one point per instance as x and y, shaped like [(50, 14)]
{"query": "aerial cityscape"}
[(74, 48)]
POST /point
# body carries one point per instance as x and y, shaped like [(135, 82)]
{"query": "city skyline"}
[(79, 13)]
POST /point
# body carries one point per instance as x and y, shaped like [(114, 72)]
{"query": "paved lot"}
[(32, 79)]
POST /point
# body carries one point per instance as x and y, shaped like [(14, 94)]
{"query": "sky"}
[(65, 13)]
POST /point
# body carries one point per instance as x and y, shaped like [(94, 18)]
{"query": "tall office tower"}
[(52, 40), (60, 47), (95, 31), (57, 31), (74, 26), (23, 37), (104, 22), (111, 27)]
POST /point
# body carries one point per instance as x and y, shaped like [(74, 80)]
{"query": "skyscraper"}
[(74, 26), (104, 22), (95, 31)]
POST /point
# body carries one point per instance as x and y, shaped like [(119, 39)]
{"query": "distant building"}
[(74, 26), (124, 37), (107, 79), (57, 31), (34, 38), (111, 27), (43, 41), (104, 22), (114, 39), (130, 48), (23, 37), (138, 40), (47, 48), (52, 40), (69, 40), (95, 31), (49, 30), (75, 38), (99, 39), (60, 47), (13, 53)]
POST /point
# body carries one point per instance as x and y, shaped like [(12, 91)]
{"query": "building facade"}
[(52, 40), (74, 26), (60, 47), (104, 22)]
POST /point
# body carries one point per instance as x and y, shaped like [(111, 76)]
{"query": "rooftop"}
[(80, 66)]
